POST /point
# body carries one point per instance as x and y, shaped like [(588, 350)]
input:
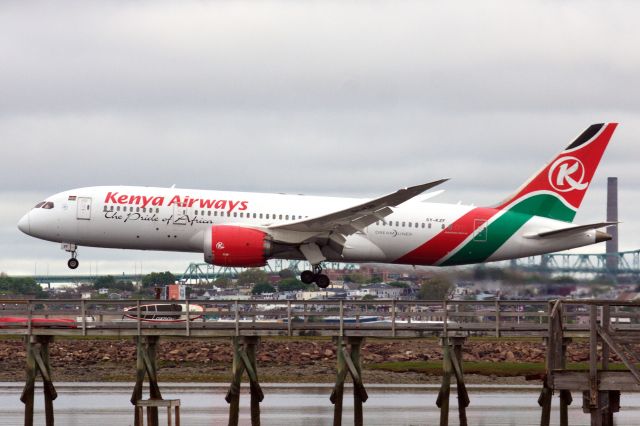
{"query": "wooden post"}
[(565, 395), (244, 358), (605, 400), (151, 367), (594, 400), (38, 360), (445, 389), (463, 396), (355, 343), (233, 395), (146, 364), (252, 369), (136, 395), (338, 389), (42, 360), (29, 388)]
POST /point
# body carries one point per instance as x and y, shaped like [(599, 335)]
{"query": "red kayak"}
[(38, 322)]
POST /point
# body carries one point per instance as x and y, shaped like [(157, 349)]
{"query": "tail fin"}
[(557, 190)]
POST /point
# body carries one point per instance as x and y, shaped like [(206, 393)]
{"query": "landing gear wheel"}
[(73, 263), (307, 277), (322, 281)]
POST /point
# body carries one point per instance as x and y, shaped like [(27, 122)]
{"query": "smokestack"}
[(612, 216)]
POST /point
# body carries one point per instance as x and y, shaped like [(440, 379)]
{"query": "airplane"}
[(244, 229)]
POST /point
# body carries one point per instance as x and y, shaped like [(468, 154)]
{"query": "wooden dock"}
[(610, 327)]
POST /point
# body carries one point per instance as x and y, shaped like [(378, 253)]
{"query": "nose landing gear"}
[(316, 276), (73, 249)]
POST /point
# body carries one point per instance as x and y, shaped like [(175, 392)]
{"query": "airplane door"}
[(84, 208), (479, 230)]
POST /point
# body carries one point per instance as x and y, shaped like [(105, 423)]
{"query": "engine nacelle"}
[(226, 245)]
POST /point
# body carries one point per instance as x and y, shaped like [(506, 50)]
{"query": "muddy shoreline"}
[(279, 360)]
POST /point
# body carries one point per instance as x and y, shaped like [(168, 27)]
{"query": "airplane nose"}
[(24, 224)]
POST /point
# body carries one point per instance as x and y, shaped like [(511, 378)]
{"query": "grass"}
[(502, 368)]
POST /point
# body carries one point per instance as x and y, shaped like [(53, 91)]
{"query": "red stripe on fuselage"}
[(448, 239)]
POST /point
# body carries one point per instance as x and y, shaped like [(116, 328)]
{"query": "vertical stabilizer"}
[(557, 190)]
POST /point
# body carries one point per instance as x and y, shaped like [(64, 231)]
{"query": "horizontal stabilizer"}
[(564, 232)]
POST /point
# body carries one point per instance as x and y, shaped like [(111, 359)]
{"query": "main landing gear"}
[(316, 276), (73, 249)]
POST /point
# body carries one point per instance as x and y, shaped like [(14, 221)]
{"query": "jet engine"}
[(227, 245)]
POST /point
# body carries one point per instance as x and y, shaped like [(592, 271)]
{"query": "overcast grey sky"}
[(321, 97)]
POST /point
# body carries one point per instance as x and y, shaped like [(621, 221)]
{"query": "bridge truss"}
[(611, 264)]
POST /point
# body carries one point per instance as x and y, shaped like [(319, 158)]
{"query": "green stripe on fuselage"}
[(500, 230)]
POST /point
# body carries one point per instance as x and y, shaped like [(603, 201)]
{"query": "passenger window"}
[(215, 213), (429, 225), (397, 223), (208, 212), (118, 208), (260, 215), (287, 217), (195, 213), (403, 224), (235, 214), (422, 225), (409, 224), (443, 226), (280, 217), (254, 215)]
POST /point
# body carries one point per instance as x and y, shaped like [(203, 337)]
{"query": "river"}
[(107, 404)]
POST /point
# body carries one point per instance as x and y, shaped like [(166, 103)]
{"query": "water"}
[(80, 404)]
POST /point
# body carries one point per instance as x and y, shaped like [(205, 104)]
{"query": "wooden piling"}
[(348, 362), (595, 407), (359, 393), (452, 364), (29, 388), (146, 364), (338, 389), (445, 389), (456, 363), (38, 361), (244, 358)]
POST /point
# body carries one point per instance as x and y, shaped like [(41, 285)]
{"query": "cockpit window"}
[(37, 206), (48, 205)]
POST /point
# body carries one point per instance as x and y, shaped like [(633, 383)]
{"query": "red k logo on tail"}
[(567, 174)]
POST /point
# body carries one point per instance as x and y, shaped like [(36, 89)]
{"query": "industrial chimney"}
[(612, 216)]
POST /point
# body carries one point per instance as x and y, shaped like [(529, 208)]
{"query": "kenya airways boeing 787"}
[(246, 229)]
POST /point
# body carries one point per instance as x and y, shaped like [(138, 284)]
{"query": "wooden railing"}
[(383, 318)]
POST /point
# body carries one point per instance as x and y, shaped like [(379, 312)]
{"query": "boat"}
[(164, 312)]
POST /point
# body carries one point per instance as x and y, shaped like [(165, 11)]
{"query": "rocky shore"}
[(280, 360)]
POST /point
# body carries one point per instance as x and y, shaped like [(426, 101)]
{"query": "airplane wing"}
[(359, 216), (331, 230), (570, 230)]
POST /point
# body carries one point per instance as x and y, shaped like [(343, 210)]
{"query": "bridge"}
[(196, 272), (610, 264), (611, 327)]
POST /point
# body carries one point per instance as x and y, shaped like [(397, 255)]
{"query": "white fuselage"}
[(148, 218)]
